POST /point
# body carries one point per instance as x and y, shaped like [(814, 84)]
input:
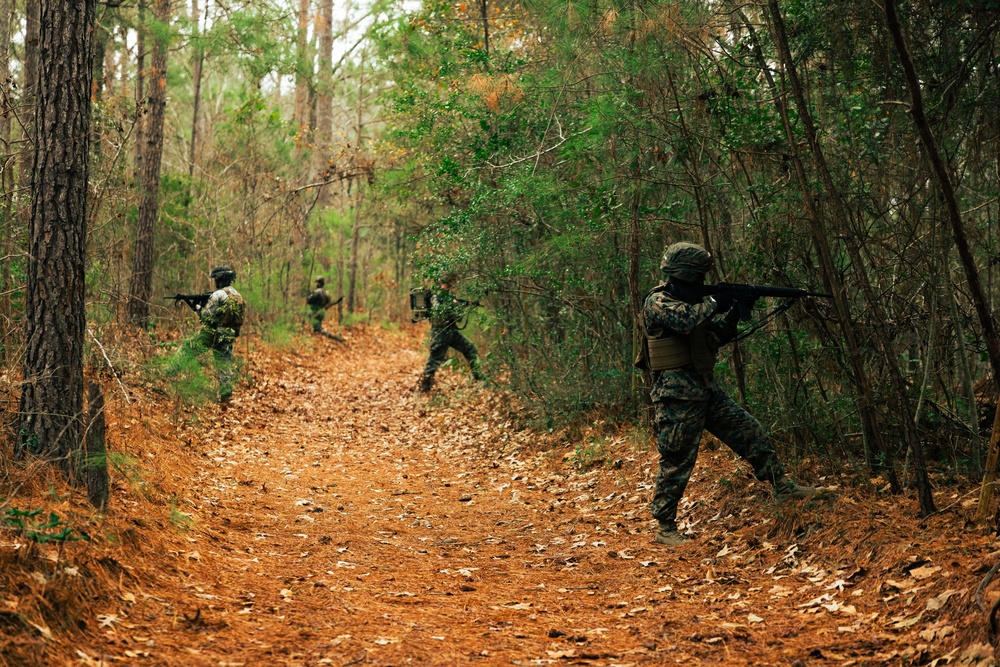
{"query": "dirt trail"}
[(338, 519)]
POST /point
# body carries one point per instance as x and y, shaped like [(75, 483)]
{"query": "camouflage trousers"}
[(220, 341), (316, 317), (444, 338), (681, 423)]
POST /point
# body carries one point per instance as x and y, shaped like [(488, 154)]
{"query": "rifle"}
[(195, 301), (334, 303), (745, 296)]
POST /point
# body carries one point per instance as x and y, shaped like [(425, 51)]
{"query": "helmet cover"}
[(686, 261)]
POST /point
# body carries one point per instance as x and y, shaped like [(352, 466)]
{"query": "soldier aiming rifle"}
[(682, 334)]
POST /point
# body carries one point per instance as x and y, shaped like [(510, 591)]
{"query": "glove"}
[(725, 301)]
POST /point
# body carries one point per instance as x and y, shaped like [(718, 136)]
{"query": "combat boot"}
[(667, 535), (785, 489), (425, 383)]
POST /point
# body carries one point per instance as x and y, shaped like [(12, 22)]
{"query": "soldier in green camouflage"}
[(221, 319), (445, 313), (319, 300), (684, 333)]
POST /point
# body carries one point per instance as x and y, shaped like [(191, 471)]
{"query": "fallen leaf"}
[(754, 619), (924, 572)]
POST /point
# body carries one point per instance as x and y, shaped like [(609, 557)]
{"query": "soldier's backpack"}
[(232, 310), (420, 304)]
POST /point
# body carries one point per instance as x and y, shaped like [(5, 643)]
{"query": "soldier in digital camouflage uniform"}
[(687, 334), (221, 319), (445, 313), (319, 300)]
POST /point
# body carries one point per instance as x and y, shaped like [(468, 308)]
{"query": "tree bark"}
[(95, 455), (324, 95), (140, 87), (352, 266), (51, 405), (29, 83), (303, 69), (898, 383), (141, 282), (196, 69)]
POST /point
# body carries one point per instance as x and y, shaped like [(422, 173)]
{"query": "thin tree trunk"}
[(196, 69), (29, 84), (912, 436), (943, 178), (51, 406), (303, 68), (324, 95), (95, 452), (140, 88), (141, 281), (486, 26), (6, 182), (352, 266)]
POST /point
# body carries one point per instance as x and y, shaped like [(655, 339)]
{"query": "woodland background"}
[(548, 151)]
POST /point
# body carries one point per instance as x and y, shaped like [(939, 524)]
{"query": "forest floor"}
[(332, 516)]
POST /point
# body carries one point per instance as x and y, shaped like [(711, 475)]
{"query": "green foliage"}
[(178, 519), (182, 373), (32, 525)]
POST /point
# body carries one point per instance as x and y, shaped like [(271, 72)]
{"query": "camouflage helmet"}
[(448, 277), (686, 261), (222, 274), (320, 280)]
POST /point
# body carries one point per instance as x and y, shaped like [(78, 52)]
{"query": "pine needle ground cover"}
[(332, 516)]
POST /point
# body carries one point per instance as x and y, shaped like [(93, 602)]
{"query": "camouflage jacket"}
[(319, 299), (224, 310), (666, 316), (446, 310)]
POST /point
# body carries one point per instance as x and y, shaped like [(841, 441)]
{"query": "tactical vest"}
[(695, 350)]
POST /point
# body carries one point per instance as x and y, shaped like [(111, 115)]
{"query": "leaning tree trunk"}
[(943, 178), (51, 407), (872, 302), (141, 283)]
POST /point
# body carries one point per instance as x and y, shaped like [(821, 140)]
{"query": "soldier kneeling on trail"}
[(684, 335), (446, 311), (319, 301)]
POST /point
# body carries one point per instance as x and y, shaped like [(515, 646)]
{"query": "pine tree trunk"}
[(196, 68), (51, 406), (303, 69), (29, 82), (324, 95), (140, 87), (95, 454), (6, 183), (141, 282), (352, 266)]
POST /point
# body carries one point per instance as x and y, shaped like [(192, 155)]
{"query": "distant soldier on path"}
[(684, 335), (221, 320), (445, 313), (319, 301)]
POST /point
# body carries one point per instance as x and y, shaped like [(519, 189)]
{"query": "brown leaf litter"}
[(334, 517)]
